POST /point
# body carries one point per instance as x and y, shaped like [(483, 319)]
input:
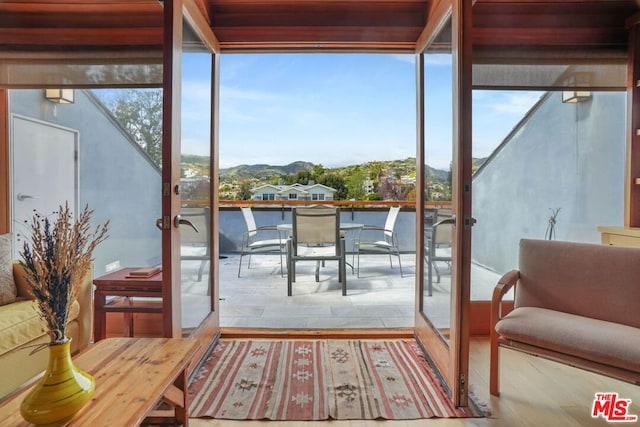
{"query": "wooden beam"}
[(570, 37), (310, 47), (80, 15), (439, 13), (76, 37), (200, 25)]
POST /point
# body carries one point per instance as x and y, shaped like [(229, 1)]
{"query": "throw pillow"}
[(8, 290), (23, 287)]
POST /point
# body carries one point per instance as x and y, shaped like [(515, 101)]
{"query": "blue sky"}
[(334, 109)]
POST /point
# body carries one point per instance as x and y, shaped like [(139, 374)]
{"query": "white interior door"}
[(44, 172)]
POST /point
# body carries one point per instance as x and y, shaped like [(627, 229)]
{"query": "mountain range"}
[(261, 171)]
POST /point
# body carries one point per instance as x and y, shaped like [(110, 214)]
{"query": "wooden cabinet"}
[(620, 236)]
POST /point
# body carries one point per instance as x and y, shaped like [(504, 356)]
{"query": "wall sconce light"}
[(574, 96), (59, 96), (576, 80)]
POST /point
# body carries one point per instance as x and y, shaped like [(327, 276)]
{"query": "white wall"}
[(567, 156)]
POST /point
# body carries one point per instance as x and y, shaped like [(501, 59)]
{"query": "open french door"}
[(189, 233), (443, 71)]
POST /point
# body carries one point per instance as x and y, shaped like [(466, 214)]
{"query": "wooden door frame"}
[(452, 358), (175, 13), (171, 106)]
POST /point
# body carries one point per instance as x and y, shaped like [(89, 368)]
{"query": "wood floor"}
[(535, 392)]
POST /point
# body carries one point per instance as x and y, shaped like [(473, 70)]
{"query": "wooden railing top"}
[(341, 203)]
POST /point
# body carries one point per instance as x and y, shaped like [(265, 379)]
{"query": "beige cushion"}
[(20, 279), (8, 290), (595, 340), (20, 323), (597, 281)]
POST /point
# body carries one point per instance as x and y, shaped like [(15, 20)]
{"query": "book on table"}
[(145, 272)]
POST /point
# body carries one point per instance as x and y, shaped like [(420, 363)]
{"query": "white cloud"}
[(518, 103)]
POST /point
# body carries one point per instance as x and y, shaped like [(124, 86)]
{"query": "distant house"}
[(311, 191)]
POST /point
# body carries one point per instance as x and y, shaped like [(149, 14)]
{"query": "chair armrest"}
[(444, 221), (372, 227), (368, 232), (506, 282), (267, 227)]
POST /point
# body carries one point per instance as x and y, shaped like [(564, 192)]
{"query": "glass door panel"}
[(195, 188), (438, 151)]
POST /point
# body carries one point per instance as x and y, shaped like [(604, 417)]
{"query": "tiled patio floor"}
[(380, 298)]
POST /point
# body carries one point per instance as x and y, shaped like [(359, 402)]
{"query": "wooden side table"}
[(132, 376), (120, 284)]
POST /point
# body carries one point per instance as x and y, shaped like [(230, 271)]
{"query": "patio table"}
[(344, 226)]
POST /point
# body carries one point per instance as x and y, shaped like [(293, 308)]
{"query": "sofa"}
[(574, 303), (22, 329)]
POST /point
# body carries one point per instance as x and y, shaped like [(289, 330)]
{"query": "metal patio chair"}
[(316, 237), (260, 240), (375, 239)]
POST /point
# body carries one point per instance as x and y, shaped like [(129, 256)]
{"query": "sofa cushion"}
[(591, 339), (21, 323), (8, 290)]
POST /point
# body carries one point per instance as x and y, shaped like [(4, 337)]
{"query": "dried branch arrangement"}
[(57, 261)]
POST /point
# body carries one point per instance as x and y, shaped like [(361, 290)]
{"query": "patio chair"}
[(437, 248), (375, 239), (316, 237), (260, 240)]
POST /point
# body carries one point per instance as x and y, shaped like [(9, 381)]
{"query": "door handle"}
[(178, 221), (22, 197)]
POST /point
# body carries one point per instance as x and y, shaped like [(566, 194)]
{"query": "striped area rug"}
[(319, 380)]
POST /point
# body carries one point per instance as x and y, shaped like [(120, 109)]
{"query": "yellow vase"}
[(61, 393)]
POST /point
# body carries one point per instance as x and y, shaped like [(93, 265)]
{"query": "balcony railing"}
[(232, 225)]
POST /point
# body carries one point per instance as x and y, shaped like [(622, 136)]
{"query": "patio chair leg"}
[(353, 262), (200, 270), (240, 263), (281, 269), (291, 269), (400, 265), (429, 277), (342, 265)]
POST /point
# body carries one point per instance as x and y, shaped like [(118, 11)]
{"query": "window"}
[(317, 196), (268, 196), (293, 196)]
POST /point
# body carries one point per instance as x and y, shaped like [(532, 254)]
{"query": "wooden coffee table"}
[(132, 376)]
